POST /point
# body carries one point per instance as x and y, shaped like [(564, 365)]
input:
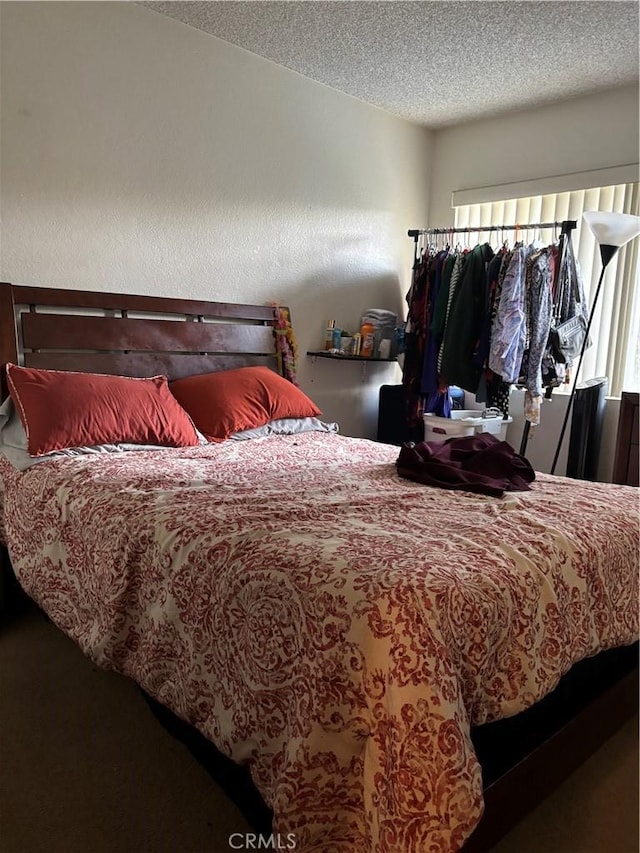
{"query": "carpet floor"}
[(85, 768)]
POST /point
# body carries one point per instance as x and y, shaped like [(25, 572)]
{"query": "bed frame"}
[(523, 758)]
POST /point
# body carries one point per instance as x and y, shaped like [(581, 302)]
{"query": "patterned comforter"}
[(332, 625)]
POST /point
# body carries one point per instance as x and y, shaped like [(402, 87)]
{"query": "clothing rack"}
[(566, 227)]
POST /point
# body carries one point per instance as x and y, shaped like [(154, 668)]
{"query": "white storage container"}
[(463, 422)]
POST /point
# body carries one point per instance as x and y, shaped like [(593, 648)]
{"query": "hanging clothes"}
[(538, 287), (415, 338), (456, 271), (533, 296), (568, 297), (460, 364), (430, 382), (493, 390), (508, 331), (480, 319)]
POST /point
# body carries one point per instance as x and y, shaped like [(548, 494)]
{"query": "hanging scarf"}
[(286, 346)]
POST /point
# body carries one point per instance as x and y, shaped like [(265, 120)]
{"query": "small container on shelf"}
[(345, 343), (367, 333), (328, 337), (384, 348)]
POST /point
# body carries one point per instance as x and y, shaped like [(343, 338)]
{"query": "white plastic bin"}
[(463, 422)]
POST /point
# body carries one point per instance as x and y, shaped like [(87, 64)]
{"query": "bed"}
[(386, 660)]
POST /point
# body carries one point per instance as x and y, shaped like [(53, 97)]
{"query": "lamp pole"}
[(606, 253)]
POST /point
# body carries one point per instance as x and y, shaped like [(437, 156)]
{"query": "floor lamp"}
[(611, 230)]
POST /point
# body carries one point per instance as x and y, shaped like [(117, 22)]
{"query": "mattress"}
[(331, 625)]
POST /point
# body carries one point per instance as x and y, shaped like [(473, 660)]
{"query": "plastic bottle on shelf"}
[(328, 337), (384, 349), (367, 333)]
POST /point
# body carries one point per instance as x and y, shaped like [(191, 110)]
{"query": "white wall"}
[(579, 135), (140, 155)]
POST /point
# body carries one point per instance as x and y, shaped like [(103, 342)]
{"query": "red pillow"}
[(60, 409), (234, 400)]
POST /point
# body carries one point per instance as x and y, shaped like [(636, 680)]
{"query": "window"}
[(615, 331)]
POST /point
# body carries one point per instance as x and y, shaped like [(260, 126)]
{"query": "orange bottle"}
[(368, 338)]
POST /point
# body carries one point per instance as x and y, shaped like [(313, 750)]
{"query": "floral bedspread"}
[(336, 627)]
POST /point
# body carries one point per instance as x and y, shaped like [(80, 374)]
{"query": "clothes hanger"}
[(537, 241)]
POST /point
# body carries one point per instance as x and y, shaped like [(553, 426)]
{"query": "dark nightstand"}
[(625, 465)]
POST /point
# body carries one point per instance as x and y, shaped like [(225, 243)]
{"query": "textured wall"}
[(140, 155), (591, 132)]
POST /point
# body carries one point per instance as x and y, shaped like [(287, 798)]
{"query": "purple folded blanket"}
[(475, 463)]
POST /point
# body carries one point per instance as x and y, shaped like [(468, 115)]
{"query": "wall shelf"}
[(343, 357), (363, 359)]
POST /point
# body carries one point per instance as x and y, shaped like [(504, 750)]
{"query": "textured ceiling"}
[(435, 63)]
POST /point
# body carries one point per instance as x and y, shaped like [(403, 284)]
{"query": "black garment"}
[(415, 340), (464, 325), (474, 463)]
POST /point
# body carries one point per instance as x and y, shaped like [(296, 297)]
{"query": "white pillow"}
[(286, 426)]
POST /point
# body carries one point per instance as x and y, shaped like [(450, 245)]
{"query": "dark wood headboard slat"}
[(174, 365), (77, 330), (51, 297), (51, 331)]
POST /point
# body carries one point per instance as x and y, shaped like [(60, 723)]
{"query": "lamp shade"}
[(612, 229)]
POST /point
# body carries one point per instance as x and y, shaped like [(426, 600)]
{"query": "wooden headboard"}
[(118, 333)]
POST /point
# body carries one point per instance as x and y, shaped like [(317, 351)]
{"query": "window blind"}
[(615, 331)]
